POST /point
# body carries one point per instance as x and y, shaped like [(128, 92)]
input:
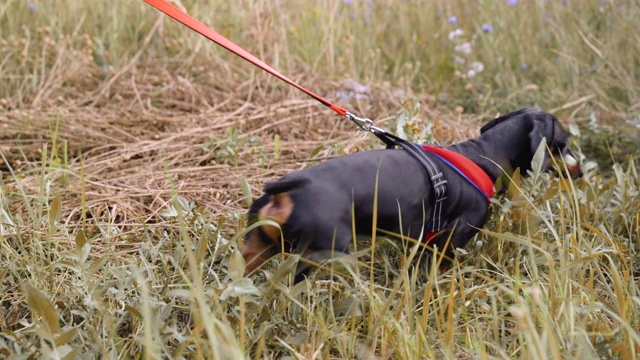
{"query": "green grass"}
[(555, 273)]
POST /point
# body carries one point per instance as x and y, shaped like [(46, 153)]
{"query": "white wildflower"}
[(464, 48), (455, 33), (476, 66), (458, 60)]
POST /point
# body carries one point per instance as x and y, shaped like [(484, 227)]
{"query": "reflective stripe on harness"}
[(439, 183), (469, 170)]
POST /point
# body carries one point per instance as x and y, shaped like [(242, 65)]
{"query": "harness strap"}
[(439, 183)]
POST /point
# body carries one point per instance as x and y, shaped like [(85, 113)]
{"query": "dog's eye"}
[(275, 201)]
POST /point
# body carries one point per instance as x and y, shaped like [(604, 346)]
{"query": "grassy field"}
[(130, 149)]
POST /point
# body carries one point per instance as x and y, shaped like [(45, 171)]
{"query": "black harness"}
[(425, 158)]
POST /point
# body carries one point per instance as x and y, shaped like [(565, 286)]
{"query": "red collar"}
[(467, 168)]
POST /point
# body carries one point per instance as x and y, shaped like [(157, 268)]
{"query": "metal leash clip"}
[(363, 123)]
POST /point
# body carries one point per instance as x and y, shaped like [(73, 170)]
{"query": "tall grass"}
[(555, 273), (550, 53)]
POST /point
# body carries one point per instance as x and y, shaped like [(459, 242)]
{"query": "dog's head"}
[(540, 125), (276, 205)]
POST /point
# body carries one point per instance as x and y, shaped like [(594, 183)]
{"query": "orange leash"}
[(200, 28)]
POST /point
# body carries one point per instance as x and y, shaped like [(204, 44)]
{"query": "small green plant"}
[(408, 124), (230, 147)]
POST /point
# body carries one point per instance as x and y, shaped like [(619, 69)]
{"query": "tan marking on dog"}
[(279, 210), (574, 171), (256, 251)]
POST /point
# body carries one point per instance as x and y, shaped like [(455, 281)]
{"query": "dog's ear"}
[(541, 127), (504, 118), (493, 123), (547, 126), (283, 185)]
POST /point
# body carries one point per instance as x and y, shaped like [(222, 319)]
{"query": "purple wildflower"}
[(512, 2), (453, 19), (348, 2), (523, 66), (33, 6), (487, 28)]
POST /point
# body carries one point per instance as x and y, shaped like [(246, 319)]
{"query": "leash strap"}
[(200, 28), (439, 183)]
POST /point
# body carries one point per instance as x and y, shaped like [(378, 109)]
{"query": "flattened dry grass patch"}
[(130, 150)]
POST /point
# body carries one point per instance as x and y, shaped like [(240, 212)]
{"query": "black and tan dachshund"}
[(316, 208)]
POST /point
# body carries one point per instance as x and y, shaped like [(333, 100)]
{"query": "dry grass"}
[(130, 148)]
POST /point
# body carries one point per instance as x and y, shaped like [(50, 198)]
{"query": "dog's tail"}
[(283, 185)]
